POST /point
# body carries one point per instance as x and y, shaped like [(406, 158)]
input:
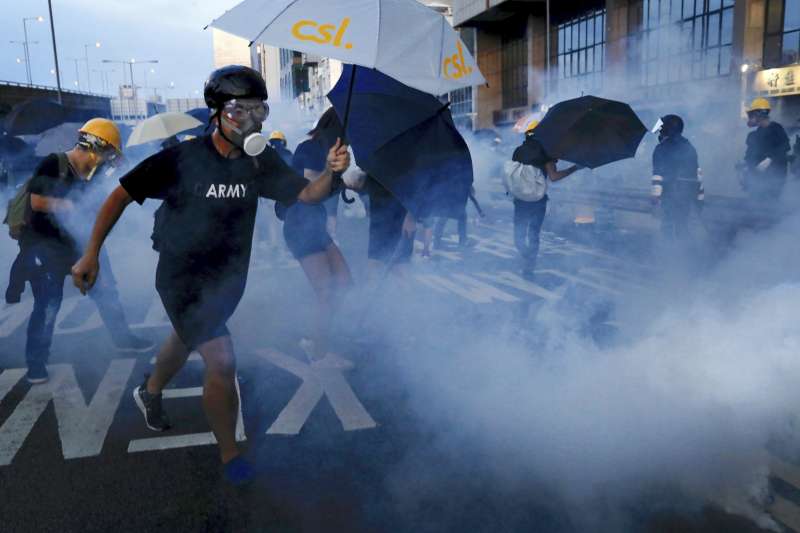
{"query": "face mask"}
[(245, 123)]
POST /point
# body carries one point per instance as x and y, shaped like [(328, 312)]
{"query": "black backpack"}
[(18, 210)]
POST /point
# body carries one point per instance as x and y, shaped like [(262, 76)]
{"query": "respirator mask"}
[(244, 117), (103, 155)]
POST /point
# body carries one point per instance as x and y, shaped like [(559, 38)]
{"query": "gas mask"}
[(103, 156), (244, 117)]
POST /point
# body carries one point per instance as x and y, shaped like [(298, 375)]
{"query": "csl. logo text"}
[(309, 30), (455, 66)]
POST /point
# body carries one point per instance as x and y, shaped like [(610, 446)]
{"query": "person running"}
[(766, 158), (309, 158), (210, 188), (526, 182), (49, 245), (306, 234), (391, 231), (676, 184)]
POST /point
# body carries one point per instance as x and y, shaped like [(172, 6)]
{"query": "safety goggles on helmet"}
[(101, 147), (239, 110)]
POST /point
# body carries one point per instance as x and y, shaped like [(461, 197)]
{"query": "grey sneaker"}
[(132, 343), (37, 374), (150, 406)]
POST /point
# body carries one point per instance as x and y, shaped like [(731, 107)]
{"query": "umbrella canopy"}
[(402, 38), (161, 126), (59, 139), (34, 116), (405, 139), (11, 145), (590, 131)]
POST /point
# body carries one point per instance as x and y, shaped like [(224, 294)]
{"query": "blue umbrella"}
[(405, 139)]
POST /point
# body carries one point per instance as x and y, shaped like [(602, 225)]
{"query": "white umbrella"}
[(402, 38), (161, 126)]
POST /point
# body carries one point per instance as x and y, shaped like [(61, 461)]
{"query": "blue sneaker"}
[(239, 472), (37, 374)]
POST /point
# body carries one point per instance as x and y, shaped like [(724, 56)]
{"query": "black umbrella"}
[(590, 131), (34, 116), (405, 139)]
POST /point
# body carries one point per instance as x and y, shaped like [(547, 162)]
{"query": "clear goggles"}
[(239, 110), (104, 149)]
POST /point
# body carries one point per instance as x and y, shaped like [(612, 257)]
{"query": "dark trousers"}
[(47, 284), (441, 223), (675, 218), (528, 220)]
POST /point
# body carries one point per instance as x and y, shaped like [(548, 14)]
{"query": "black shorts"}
[(199, 298), (304, 230), (386, 216)]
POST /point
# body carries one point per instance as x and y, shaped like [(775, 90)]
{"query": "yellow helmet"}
[(105, 130), (531, 125), (277, 136), (759, 104)]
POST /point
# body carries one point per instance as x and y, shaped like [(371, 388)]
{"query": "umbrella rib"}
[(441, 51), (290, 4)]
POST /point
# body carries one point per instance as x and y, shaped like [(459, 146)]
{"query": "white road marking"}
[(579, 280), (514, 281), (170, 442), (786, 512), (67, 306), (82, 428), (467, 287), (318, 381), (13, 316)]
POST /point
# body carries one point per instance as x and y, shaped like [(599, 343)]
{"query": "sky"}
[(170, 31)]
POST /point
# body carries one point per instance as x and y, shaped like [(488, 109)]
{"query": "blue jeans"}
[(528, 220), (50, 267)]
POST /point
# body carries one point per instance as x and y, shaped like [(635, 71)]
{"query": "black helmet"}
[(233, 81), (673, 125)]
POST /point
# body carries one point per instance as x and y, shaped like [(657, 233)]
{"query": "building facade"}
[(655, 54), (233, 50)]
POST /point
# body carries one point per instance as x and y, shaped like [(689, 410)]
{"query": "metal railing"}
[(50, 88)]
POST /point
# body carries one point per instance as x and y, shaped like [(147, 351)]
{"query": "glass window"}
[(713, 30), (791, 16), (781, 37), (790, 44), (580, 58), (702, 26)]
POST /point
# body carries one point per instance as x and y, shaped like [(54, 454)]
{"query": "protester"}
[(766, 158), (461, 219), (306, 234), (210, 188), (309, 158), (391, 231), (277, 140), (676, 182), (56, 195), (526, 181)]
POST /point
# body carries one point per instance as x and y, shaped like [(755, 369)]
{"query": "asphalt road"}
[(348, 447)]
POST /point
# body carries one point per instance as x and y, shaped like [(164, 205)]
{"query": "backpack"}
[(18, 210), (524, 182)]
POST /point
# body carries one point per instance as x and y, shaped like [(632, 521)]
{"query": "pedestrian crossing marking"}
[(319, 380)]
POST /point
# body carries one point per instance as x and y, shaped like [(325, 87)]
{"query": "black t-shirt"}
[(769, 142), (210, 201), (46, 182), (675, 159), (531, 152), (311, 155)]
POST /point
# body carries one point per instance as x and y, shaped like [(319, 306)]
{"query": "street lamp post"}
[(27, 51), (77, 74), (24, 58), (86, 53), (55, 50)]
